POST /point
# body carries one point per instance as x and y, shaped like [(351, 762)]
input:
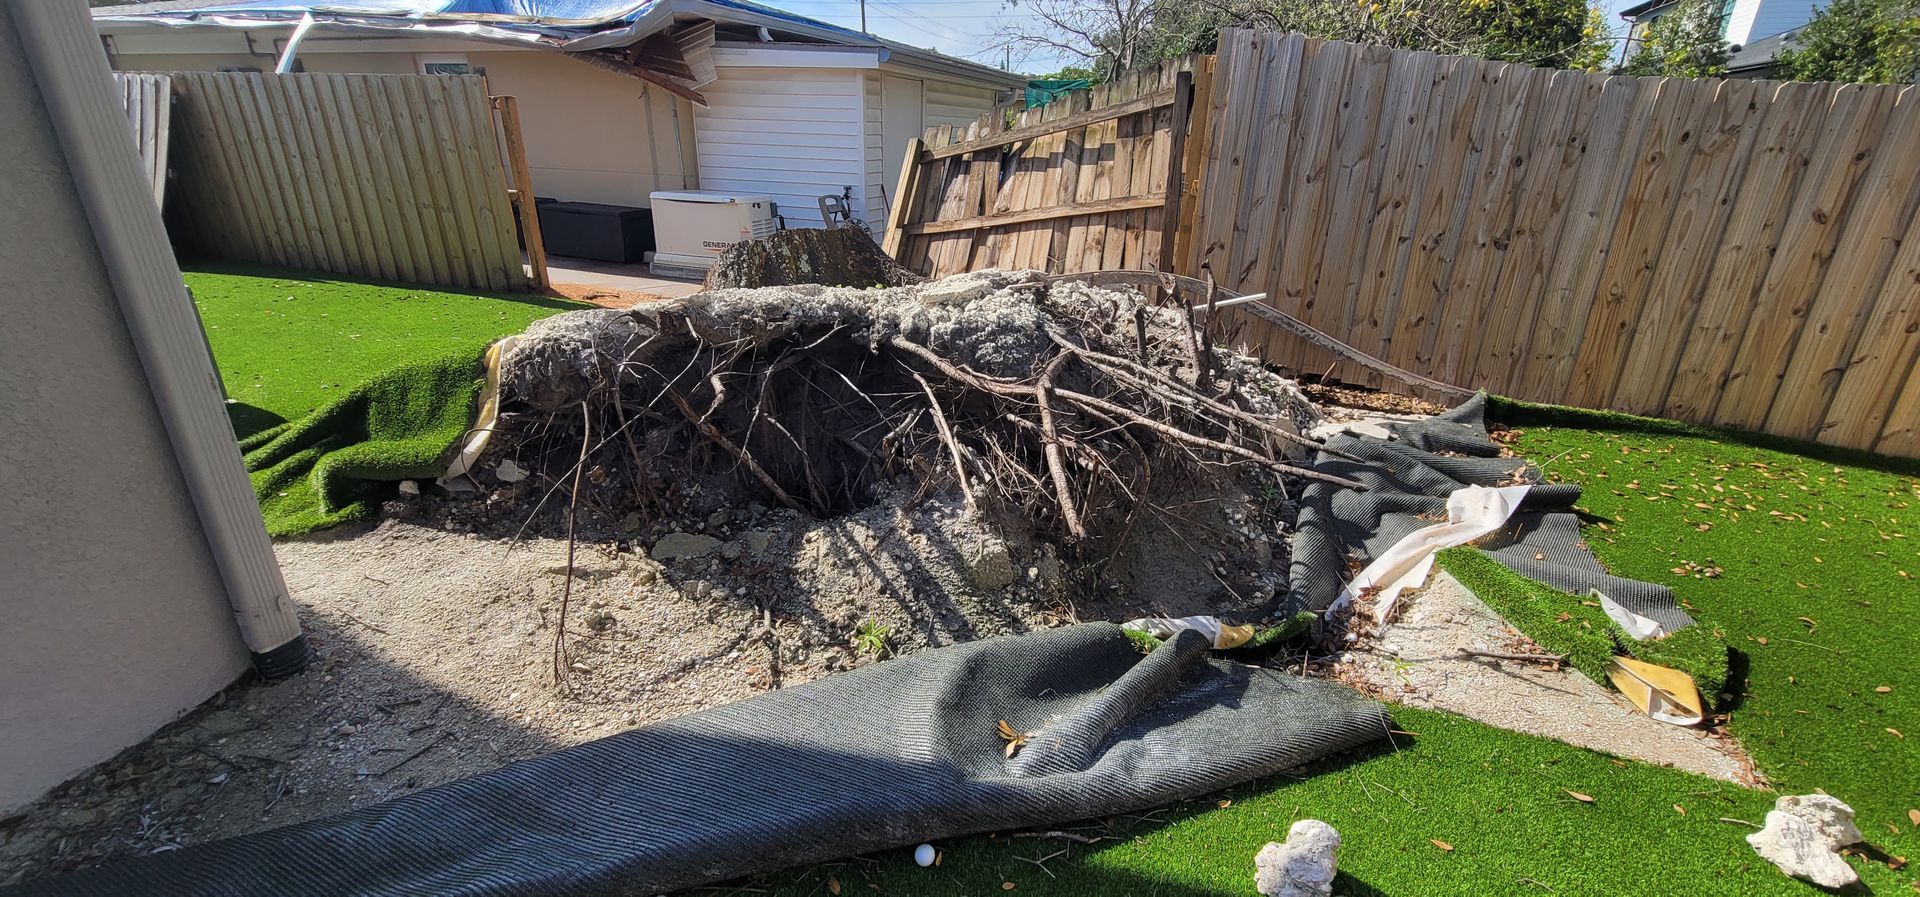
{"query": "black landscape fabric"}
[(1408, 480), (892, 754)]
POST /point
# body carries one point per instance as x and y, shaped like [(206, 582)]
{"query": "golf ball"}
[(923, 854)]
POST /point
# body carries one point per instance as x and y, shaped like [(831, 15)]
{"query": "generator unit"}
[(691, 227)]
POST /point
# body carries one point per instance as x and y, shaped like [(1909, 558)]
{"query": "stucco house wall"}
[(116, 618)]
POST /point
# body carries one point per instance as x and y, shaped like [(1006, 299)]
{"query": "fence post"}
[(521, 192), (903, 198), (1176, 163), (1193, 168)]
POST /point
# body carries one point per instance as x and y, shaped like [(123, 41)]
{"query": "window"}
[(446, 64)]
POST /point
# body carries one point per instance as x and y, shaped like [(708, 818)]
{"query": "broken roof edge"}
[(633, 22)]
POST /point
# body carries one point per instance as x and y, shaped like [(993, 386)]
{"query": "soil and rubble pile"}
[(950, 458)]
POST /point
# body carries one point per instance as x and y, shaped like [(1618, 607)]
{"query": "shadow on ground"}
[(248, 419)]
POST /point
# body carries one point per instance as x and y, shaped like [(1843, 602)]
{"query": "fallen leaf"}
[(1914, 815), (1680, 809), (1883, 690), (1224, 804), (1761, 640), (1441, 844), (833, 885), (1583, 798), (1007, 886), (1896, 733)]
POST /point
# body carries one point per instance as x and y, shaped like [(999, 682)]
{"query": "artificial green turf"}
[(1819, 589), (338, 388), (1578, 628), (288, 343), (1817, 598), (336, 464), (1499, 799)]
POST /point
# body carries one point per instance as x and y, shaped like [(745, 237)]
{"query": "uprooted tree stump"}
[(1063, 403), (845, 257)]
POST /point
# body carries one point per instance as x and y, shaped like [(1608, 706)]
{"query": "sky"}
[(969, 28), (965, 28)]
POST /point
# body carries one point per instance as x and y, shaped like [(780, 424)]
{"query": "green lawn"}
[(289, 342), (1815, 593)]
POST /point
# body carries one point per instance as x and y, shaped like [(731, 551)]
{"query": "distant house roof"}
[(1756, 58), (1640, 10), (576, 26)]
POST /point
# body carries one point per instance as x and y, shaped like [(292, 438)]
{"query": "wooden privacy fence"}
[(148, 99), (1737, 253), (387, 177), (1742, 253), (1077, 185)]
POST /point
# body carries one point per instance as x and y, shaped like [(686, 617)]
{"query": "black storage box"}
[(594, 230)]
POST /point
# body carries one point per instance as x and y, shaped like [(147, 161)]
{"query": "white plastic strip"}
[(1641, 628), (1472, 512), (485, 416)]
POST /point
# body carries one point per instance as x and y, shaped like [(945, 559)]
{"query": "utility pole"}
[(863, 16)]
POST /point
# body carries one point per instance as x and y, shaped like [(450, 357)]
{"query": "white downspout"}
[(68, 62)]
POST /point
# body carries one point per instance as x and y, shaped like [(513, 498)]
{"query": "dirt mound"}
[(908, 466)]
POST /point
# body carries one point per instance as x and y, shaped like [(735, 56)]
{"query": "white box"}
[(690, 227)]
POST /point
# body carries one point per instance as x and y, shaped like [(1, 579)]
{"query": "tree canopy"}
[(1686, 42), (1856, 40), (1109, 35)]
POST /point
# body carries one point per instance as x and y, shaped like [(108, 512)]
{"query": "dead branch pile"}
[(1061, 402)]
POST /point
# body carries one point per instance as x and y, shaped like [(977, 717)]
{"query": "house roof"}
[(1636, 11), (570, 25), (1759, 54)]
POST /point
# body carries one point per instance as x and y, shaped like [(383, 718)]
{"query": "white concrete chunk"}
[(1304, 866)]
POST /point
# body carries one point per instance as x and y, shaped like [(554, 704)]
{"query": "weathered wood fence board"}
[(1727, 252), (1738, 253), (388, 177), (1077, 185), (148, 99)]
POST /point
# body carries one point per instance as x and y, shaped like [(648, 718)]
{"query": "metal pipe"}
[(67, 61)]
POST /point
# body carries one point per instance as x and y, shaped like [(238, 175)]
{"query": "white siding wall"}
[(1740, 21), (1751, 20), (956, 104), (878, 183), (794, 134)]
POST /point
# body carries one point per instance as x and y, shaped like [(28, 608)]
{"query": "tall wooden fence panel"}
[(388, 177), (1079, 184), (1740, 253), (148, 99)]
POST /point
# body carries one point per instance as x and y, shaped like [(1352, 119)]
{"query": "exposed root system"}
[(1061, 404)]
